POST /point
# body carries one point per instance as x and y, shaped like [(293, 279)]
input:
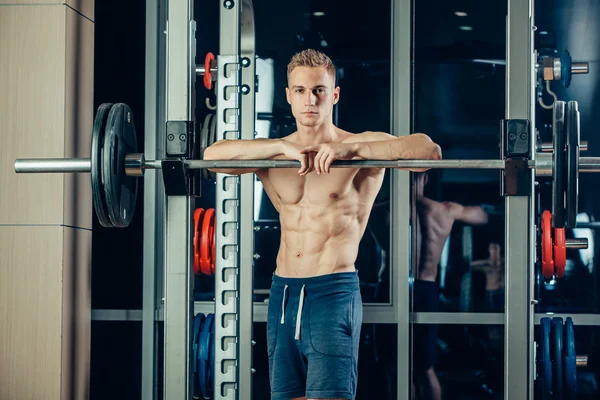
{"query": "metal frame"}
[(154, 198), (400, 202), (450, 318), (519, 222), (227, 271), (179, 282), (246, 227)]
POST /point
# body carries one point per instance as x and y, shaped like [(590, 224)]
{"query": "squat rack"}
[(232, 372)]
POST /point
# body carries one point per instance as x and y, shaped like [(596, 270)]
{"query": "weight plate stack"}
[(572, 170), (121, 190), (558, 164), (96, 157)]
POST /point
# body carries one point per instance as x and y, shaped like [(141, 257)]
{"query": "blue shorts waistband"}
[(319, 281)]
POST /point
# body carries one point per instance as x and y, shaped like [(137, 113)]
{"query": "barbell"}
[(115, 164)]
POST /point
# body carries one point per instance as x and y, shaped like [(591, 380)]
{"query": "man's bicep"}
[(233, 171), (370, 136), (474, 215)]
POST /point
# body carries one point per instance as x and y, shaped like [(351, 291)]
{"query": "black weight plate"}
[(570, 358), (98, 196), (204, 133), (572, 170), (558, 165), (545, 360), (212, 136), (121, 190), (557, 357)]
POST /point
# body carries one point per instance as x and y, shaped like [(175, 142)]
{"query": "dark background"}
[(457, 101)]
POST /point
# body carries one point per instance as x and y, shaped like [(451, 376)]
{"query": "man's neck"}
[(311, 135)]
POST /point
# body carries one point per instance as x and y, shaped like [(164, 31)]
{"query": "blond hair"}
[(311, 58)]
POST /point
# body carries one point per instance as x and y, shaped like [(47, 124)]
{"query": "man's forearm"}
[(257, 149), (416, 146)]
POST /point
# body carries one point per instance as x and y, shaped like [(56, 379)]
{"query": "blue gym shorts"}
[(313, 333)]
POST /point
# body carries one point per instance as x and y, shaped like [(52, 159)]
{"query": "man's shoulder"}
[(292, 137), (367, 136)]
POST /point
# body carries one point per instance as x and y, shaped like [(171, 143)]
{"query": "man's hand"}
[(298, 152), (326, 153)]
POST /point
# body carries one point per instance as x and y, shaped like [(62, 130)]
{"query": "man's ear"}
[(336, 95), (287, 95)]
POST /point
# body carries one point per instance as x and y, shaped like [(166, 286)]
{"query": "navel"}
[(298, 255)]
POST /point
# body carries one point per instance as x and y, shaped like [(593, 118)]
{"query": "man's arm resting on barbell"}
[(253, 149), (383, 146)]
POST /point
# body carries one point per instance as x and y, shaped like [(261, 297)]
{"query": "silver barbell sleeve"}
[(49, 165), (576, 243), (589, 164)]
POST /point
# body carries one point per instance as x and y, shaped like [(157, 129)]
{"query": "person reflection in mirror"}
[(315, 307), (433, 228), (493, 268)]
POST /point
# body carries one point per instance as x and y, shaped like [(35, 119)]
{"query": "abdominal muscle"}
[(318, 240)]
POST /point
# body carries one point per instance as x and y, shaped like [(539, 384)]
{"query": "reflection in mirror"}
[(458, 82), (469, 362)]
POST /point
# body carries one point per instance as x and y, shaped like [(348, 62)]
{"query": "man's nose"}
[(310, 99)]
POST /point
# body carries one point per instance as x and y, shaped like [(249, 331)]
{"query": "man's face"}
[(494, 249), (312, 94)]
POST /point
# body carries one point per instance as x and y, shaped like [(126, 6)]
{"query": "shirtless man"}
[(493, 268), (315, 308), (435, 224)]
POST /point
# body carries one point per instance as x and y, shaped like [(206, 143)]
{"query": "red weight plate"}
[(214, 246), (560, 252), (208, 233), (207, 73), (198, 214), (547, 258)]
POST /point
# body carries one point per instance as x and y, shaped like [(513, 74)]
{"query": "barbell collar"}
[(134, 164)]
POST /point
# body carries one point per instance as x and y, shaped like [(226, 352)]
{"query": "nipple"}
[(334, 195)]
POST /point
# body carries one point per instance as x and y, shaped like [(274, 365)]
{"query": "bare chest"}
[(313, 189)]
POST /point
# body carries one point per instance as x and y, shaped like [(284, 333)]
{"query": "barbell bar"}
[(136, 162), (115, 163)]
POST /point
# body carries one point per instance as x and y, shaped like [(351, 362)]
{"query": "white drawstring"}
[(299, 316), (283, 305)]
